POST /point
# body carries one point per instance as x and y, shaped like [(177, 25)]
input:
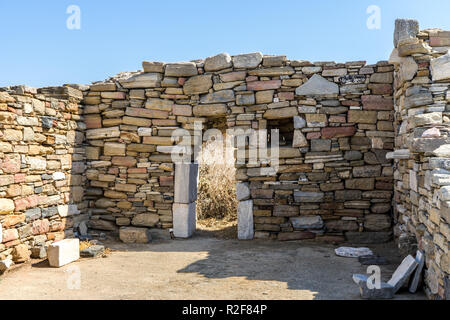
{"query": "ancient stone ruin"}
[(364, 151)]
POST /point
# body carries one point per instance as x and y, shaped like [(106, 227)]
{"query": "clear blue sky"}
[(38, 50)]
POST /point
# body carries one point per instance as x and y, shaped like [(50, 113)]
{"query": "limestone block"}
[(242, 191), (317, 86), (135, 235), (245, 220), (63, 252), (307, 222), (198, 85), (420, 259), (143, 80), (181, 69), (6, 206), (186, 182), (184, 220), (218, 62), (440, 68), (114, 149), (153, 67), (403, 272), (248, 61), (405, 29)]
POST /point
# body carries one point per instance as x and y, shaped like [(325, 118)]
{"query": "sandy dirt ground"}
[(202, 268)]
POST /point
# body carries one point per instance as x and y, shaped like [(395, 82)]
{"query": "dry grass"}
[(217, 185), (85, 245)]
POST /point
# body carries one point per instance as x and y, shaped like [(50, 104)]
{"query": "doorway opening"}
[(217, 202)]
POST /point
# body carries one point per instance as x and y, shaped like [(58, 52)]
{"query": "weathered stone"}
[(405, 29), (377, 103), (282, 113), (186, 180), (181, 69), (242, 191), (114, 149), (338, 132), (402, 273), (218, 97), (426, 119), (251, 60), (307, 222), (131, 235), (377, 222), (218, 62), (245, 220), (184, 220), (300, 140), (440, 68), (263, 85), (150, 67), (308, 197), (360, 184), (145, 220), (420, 259), (317, 86), (103, 133), (272, 72), (198, 85), (349, 252), (210, 110), (21, 254), (356, 116), (92, 252), (6, 206), (144, 80), (320, 145)]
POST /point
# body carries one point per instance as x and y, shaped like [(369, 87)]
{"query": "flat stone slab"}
[(245, 220), (317, 86), (92, 252), (420, 259), (403, 272), (349, 252), (386, 291), (184, 220)]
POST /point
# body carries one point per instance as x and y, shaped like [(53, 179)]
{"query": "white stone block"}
[(186, 183), (63, 252), (242, 191), (403, 272), (184, 220), (245, 220)]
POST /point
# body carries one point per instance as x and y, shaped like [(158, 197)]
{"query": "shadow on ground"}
[(310, 268)]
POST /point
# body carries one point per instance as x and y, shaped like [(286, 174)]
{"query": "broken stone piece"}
[(386, 291), (403, 272), (93, 251), (349, 252)]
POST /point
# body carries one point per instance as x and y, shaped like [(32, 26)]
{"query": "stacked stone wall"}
[(422, 157), (333, 180), (41, 170)]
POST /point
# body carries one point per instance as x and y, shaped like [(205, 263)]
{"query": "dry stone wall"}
[(422, 157), (41, 170), (336, 126)]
